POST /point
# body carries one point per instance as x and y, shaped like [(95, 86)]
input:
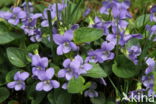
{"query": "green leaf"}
[(38, 97), (87, 85), (10, 75), (46, 42), (3, 73), (96, 72), (154, 88), (51, 98), (2, 57), (142, 20), (6, 2), (132, 42), (4, 94), (13, 102), (153, 54), (124, 68), (59, 96), (76, 85), (99, 100), (39, 7), (35, 96), (32, 47), (72, 13), (17, 56), (84, 34), (7, 36), (110, 102), (56, 68)]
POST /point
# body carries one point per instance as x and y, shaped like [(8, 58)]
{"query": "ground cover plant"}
[(77, 51)]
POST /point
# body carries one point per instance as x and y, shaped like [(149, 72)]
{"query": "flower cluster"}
[(147, 79), (27, 20), (101, 55), (46, 83), (44, 75), (53, 11), (152, 29), (74, 68), (14, 16)]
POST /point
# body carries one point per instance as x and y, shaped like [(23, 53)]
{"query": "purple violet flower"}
[(5, 15), (98, 23), (29, 27), (91, 91), (65, 42), (74, 68), (151, 92), (64, 86), (106, 27), (106, 7), (124, 38), (75, 26), (82, 67), (46, 83), (16, 15), (119, 25), (151, 65), (19, 83), (106, 49), (134, 52), (94, 56), (39, 64), (119, 9), (87, 11), (52, 8), (148, 81), (30, 7), (68, 72), (153, 13), (152, 31), (136, 94), (101, 55), (31, 20), (37, 37)]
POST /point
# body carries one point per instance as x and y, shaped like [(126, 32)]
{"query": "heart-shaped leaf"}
[(85, 34)]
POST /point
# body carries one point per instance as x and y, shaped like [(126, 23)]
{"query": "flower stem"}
[(51, 33), (117, 39), (116, 89), (57, 13), (27, 8), (17, 3)]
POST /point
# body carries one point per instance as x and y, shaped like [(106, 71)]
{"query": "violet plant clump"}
[(77, 52)]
